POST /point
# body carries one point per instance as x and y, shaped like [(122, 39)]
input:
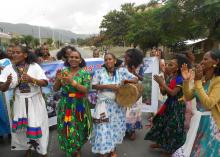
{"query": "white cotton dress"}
[(30, 128)]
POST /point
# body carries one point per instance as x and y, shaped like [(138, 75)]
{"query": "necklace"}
[(23, 86)]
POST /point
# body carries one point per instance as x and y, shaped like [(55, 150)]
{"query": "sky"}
[(78, 16)]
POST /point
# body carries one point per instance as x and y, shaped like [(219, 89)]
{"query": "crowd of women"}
[(180, 79)]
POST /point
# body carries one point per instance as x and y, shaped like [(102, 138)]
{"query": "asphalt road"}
[(137, 148)]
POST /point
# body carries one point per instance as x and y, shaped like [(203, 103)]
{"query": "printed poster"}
[(151, 89)]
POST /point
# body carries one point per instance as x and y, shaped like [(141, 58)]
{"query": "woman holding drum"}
[(108, 117)]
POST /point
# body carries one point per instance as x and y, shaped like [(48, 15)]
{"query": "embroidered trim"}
[(21, 123), (34, 133)]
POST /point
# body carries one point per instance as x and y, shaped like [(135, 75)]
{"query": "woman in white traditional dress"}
[(29, 115), (109, 118)]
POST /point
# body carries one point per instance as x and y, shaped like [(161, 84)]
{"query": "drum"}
[(128, 94)]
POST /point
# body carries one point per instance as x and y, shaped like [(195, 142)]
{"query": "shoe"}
[(132, 136), (155, 146)]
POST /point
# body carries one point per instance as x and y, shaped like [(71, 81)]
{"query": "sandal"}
[(155, 146), (113, 154), (132, 136), (28, 153)]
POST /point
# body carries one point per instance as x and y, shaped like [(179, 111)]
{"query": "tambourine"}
[(128, 94)]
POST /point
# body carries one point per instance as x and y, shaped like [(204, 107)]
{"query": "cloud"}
[(79, 16)]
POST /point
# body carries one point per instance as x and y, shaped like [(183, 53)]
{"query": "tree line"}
[(33, 42), (166, 23)]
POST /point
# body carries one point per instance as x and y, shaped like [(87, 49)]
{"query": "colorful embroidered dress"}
[(168, 124), (74, 117)]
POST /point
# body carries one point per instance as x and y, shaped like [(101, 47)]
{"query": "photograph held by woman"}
[(109, 118), (29, 115), (74, 121)]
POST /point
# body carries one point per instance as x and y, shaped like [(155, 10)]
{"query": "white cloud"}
[(79, 16)]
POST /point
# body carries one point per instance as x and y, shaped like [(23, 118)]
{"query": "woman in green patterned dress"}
[(74, 117)]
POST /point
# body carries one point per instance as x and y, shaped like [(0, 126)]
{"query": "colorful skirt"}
[(168, 128), (133, 117), (207, 141)]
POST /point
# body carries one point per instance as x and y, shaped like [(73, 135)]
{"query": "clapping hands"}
[(198, 72), (9, 79), (64, 78), (26, 78), (159, 79), (186, 73)]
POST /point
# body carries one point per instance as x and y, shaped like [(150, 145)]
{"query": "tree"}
[(27, 40), (36, 42), (144, 29), (167, 24), (15, 40), (116, 23), (205, 13), (72, 40), (189, 19), (49, 41), (58, 43)]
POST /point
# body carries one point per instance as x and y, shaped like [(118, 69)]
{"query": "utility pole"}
[(59, 40), (39, 35), (1, 29), (53, 34), (62, 37)]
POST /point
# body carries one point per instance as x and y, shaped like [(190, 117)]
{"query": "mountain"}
[(45, 32)]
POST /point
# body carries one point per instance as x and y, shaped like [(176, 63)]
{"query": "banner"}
[(149, 97), (151, 89)]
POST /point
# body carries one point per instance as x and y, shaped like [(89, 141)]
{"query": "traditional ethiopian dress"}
[(109, 127), (28, 110), (168, 124), (74, 116)]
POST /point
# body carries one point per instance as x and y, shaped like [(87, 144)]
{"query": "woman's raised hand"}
[(159, 79), (67, 79), (26, 78), (186, 73), (58, 75), (198, 72), (9, 79)]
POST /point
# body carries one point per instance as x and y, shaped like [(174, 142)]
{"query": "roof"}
[(4, 35), (191, 42)]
